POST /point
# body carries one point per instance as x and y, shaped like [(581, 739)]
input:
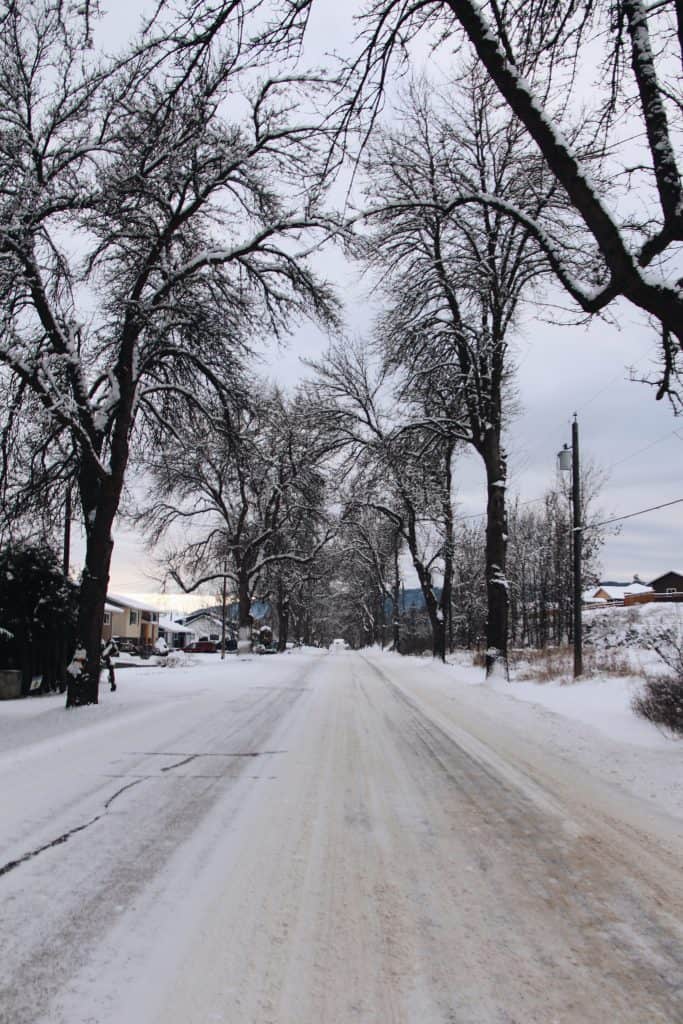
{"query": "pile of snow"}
[(174, 659)]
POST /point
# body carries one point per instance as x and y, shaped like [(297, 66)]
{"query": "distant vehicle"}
[(201, 647), (338, 644), (125, 646)]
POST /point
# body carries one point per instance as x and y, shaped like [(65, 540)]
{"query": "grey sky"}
[(636, 440)]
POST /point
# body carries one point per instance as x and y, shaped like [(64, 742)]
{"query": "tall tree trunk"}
[(447, 585), (282, 603), (100, 497), (496, 545), (435, 613), (82, 688), (243, 611), (395, 599)]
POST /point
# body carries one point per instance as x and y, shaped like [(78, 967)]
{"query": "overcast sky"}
[(561, 370)]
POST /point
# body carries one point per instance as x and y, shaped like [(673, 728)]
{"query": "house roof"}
[(130, 602), (620, 592), (670, 572), (173, 627), (213, 612)]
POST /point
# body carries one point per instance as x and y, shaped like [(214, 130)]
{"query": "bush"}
[(38, 609), (661, 702), (552, 663)]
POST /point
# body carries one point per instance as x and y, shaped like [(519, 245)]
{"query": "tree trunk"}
[(243, 612), (282, 602), (496, 545), (439, 636), (436, 618), (100, 497), (395, 600), (83, 688), (447, 584)]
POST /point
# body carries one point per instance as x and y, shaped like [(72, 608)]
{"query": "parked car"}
[(202, 647), (125, 646)]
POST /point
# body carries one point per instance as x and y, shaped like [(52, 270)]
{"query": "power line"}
[(587, 526), (603, 389), (631, 515), (639, 451), (482, 515)]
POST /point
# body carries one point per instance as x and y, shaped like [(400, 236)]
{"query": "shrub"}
[(544, 666), (661, 699), (37, 612), (661, 702)]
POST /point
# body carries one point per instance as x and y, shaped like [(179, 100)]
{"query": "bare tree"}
[(541, 556), (298, 442), (616, 162), (454, 281), (246, 487), (408, 467), (373, 543), (151, 213)]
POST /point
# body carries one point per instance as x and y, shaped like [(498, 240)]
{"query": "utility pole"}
[(577, 538), (66, 555), (224, 608)]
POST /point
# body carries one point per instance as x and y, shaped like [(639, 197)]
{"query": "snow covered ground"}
[(313, 837)]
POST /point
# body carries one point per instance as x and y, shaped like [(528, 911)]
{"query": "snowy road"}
[(323, 839)]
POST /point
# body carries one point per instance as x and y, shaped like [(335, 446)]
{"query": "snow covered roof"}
[(111, 607), (638, 588), (213, 613), (130, 602), (173, 627), (618, 593)]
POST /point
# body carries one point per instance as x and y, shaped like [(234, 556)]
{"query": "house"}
[(128, 619), (622, 593), (206, 623), (109, 610), (175, 634), (668, 583)]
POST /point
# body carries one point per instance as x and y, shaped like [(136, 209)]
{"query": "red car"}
[(202, 647)]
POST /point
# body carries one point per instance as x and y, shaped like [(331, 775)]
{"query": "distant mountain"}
[(411, 597)]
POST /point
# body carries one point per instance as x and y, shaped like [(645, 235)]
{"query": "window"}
[(107, 619), (133, 618), (671, 590)]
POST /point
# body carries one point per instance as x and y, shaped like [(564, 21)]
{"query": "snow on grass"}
[(603, 702), (29, 726)]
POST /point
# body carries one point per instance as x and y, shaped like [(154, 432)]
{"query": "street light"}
[(568, 458)]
